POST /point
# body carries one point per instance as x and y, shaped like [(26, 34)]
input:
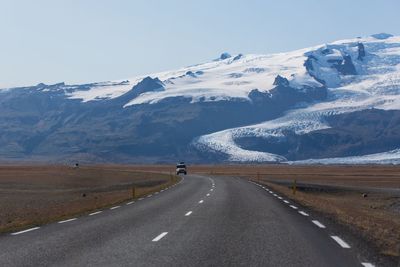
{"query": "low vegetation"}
[(35, 195)]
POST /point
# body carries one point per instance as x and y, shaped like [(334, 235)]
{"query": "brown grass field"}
[(34, 195), (31, 195)]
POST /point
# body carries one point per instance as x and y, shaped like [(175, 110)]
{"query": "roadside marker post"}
[(294, 186), (133, 192)]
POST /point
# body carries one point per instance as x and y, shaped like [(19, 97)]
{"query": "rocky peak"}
[(361, 51), (281, 81)]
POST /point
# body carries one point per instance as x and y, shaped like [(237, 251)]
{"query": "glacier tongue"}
[(390, 157)]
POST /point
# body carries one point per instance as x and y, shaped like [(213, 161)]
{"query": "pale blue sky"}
[(80, 41)]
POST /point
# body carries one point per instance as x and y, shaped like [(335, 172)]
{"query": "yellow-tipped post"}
[(294, 188), (134, 192)]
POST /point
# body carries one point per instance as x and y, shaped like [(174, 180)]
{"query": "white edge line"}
[(69, 220), (340, 241), (94, 213), (317, 223), (25, 231), (157, 238)]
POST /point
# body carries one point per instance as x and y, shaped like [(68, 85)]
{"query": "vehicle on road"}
[(181, 168)]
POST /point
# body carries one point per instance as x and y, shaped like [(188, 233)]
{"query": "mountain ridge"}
[(228, 110)]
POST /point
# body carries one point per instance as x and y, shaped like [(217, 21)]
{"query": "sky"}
[(82, 41)]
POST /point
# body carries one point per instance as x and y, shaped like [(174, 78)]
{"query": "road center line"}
[(156, 239), (116, 207), (340, 241), (317, 223), (303, 213), (69, 220), (188, 213), (25, 231), (94, 213)]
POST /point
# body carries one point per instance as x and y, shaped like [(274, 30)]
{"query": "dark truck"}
[(181, 168)]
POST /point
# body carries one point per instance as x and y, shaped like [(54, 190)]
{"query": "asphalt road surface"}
[(202, 221)]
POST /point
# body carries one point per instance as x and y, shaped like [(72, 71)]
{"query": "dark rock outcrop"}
[(361, 51), (281, 81), (382, 36), (225, 55), (148, 84), (346, 67)]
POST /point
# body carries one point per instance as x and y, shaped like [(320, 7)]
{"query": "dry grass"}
[(34, 195)]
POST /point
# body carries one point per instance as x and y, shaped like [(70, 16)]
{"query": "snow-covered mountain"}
[(332, 103)]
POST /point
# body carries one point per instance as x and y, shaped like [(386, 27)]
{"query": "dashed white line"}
[(317, 223), (304, 213), (157, 238), (129, 203), (141, 198), (367, 264), (155, 193), (116, 207), (287, 202), (94, 213), (340, 241), (188, 213), (201, 201), (293, 207), (211, 189), (208, 194), (25, 231), (69, 220), (279, 197), (149, 195)]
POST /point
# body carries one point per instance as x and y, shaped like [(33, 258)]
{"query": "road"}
[(202, 221)]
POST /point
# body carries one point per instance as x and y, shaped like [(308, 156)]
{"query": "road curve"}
[(203, 221)]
